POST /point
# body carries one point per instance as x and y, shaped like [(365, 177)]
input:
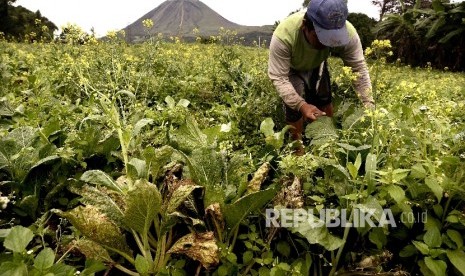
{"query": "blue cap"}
[(329, 19)]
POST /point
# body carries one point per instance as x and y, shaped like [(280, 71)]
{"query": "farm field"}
[(168, 159)]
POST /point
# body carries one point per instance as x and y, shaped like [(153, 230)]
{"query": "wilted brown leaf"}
[(92, 250), (96, 226), (200, 247), (291, 195), (258, 178), (214, 212)]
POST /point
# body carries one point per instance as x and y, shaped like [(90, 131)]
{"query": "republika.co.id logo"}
[(292, 218)]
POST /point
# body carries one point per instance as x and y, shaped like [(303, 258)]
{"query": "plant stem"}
[(218, 229), (152, 241), (160, 257), (248, 267), (444, 212), (138, 242), (125, 270), (157, 255), (156, 224), (374, 122), (123, 147), (236, 232), (64, 254), (339, 252), (126, 256)]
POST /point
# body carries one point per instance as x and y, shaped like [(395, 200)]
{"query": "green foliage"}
[(174, 151), (27, 262), (430, 31), (364, 26), (19, 23)]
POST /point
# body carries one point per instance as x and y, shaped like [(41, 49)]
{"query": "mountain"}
[(181, 17)]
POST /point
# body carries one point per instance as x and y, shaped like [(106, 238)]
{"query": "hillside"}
[(181, 17)]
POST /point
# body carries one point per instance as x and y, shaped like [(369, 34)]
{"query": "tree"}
[(19, 22), (399, 6), (364, 26), (3, 14), (421, 36)]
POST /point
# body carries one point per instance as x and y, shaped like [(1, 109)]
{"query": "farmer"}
[(297, 63)]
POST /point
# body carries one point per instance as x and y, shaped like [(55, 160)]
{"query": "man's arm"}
[(279, 66), (352, 56)]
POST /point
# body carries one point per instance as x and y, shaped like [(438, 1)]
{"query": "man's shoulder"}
[(291, 23), (351, 29), (288, 28)]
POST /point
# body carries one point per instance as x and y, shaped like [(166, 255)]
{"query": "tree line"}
[(22, 24), (427, 33)]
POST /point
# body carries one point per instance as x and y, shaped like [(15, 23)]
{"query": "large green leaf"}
[(143, 264), (61, 269), (433, 238), (137, 169), (234, 213), (206, 168), (315, 231), (456, 237), (267, 127), (179, 196), (354, 120), (92, 250), (371, 205), (107, 201), (156, 159), (189, 136), (29, 205), (378, 237), (451, 34), (139, 125), (4, 155), (457, 258), (438, 267), (434, 185), (437, 24), (23, 137), (396, 192), (418, 171), (98, 177), (238, 169), (45, 259), (13, 269), (96, 226), (422, 247), (45, 161), (18, 239), (321, 130), (370, 168), (143, 204), (19, 151)]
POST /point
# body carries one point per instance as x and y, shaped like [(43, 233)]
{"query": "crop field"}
[(173, 159)]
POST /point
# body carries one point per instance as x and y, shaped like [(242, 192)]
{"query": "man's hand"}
[(310, 112)]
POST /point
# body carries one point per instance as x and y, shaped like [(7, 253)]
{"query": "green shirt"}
[(304, 56)]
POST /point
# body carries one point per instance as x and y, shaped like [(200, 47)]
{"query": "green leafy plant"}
[(35, 261)]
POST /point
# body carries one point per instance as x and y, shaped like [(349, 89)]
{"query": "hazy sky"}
[(106, 15)]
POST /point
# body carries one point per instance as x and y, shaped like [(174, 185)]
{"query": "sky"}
[(110, 15)]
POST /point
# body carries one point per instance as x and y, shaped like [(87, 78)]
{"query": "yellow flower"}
[(148, 23)]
